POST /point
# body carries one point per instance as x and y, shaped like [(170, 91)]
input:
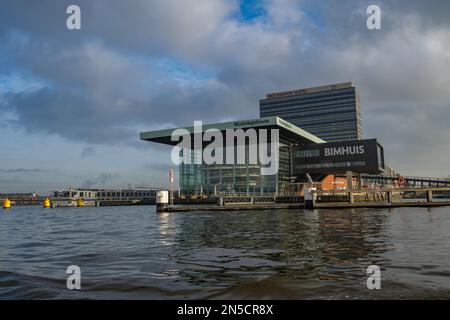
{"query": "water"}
[(134, 253)]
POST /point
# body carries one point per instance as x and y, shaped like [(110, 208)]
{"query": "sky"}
[(72, 102)]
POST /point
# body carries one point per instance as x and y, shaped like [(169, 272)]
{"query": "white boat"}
[(74, 198)]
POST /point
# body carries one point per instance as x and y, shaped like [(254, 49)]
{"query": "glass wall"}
[(238, 179), (191, 178)]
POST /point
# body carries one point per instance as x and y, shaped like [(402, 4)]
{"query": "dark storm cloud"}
[(95, 94), (106, 82), (433, 13)]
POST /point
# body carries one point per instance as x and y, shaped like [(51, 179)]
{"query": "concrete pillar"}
[(429, 196), (350, 197), (359, 181), (349, 180)]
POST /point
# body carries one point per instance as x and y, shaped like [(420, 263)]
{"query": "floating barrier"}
[(47, 203), (6, 203)]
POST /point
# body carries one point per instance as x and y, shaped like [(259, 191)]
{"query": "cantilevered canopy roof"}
[(286, 128)]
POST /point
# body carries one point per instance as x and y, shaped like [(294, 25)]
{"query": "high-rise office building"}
[(330, 112)]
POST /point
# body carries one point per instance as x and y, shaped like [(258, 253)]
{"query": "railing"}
[(245, 200), (382, 196), (409, 181)]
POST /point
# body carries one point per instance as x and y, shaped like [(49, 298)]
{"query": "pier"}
[(375, 198), (382, 198), (317, 199), (235, 207)]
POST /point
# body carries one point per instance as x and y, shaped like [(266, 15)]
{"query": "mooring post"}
[(349, 180), (350, 197), (349, 175), (389, 196), (314, 196), (359, 181), (429, 195), (309, 198), (162, 201)]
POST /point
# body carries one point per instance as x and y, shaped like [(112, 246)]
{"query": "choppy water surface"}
[(134, 253)]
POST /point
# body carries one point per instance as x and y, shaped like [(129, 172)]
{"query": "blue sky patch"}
[(251, 9)]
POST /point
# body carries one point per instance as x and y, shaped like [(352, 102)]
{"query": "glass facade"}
[(331, 113), (246, 177), (239, 179)]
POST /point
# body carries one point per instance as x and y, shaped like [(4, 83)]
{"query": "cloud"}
[(101, 181), (23, 170), (87, 152), (158, 166), (143, 65)]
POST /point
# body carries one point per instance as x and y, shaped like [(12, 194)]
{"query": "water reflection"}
[(233, 247), (351, 241), (133, 252), (167, 229)]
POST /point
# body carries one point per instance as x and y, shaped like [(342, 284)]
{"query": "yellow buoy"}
[(6, 203), (47, 203), (80, 203)]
